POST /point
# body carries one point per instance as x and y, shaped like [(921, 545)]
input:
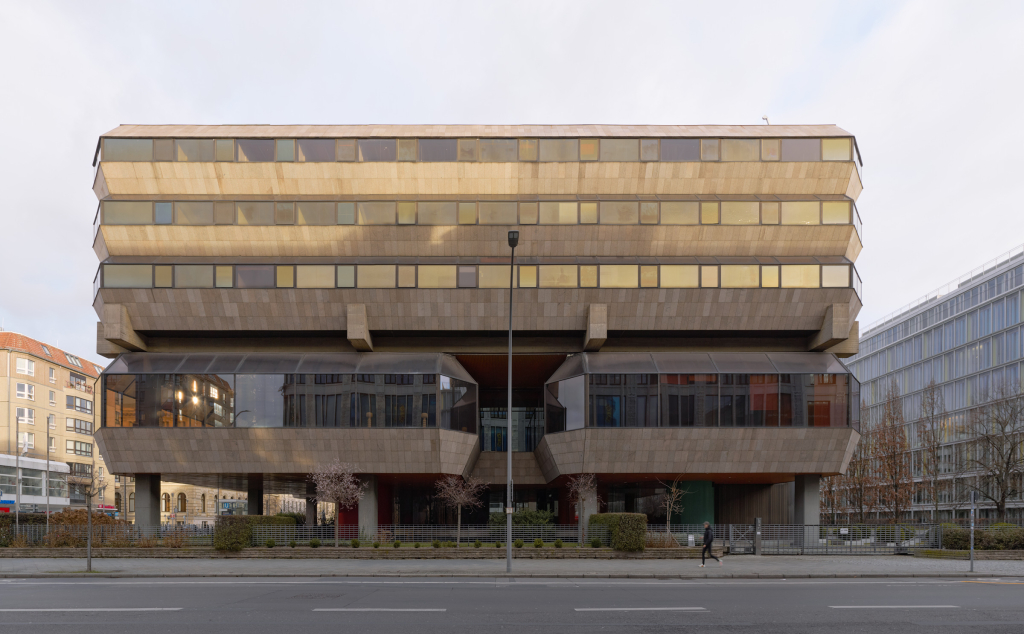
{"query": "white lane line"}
[(894, 607), (641, 609), (380, 609), (89, 609)]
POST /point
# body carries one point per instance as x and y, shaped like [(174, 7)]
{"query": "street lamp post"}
[(513, 240)]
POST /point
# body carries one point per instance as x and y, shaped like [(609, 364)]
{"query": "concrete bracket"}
[(835, 328), (358, 328), (597, 327), (117, 329)]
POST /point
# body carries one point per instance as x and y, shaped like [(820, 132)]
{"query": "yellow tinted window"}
[(320, 276), (442, 276), (648, 277), (527, 149), (406, 149), (741, 149), (835, 212), (588, 213), (127, 276), (122, 212), (835, 276), (836, 149), (740, 276), (224, 278), (493, 276), (438, 214), (528, 276), (406, 213), (679, 276), (648, 213), (619, 212), (800, 276), (619, 275), (528, 213), (740, 213), (557, 276), (588, 149), (769, 277), (557, 213), (407, 276), (376, 276), (770, 213), (374, 213), (709, 213), (709, 276), (467, 213), (620, 150), (800, 212), (680, 213), (310, 213), (285, 276), (498, 213), (163, 276), (560, 150), (346, 276), (588, 276)]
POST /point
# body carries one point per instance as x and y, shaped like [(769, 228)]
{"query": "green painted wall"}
[(698, 504)]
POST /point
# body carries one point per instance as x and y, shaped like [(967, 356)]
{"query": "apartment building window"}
[(51, 421), (73, 360), (182, 503), (26, 440), (79, 470), (26, 391), (79, 404), (99, 470), (131, 502), (77, 381), (25, 366), (53, 445), (77, 448), (79, 426), (53, 399), (166, 499), (53, 375), (26, 415), (100, 493)]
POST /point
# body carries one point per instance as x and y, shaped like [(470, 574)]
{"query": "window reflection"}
[(564, 404), (623, 400)]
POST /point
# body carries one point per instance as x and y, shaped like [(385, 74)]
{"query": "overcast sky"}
[(932, 91)]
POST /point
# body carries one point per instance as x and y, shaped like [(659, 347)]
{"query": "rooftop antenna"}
[(765, 117)]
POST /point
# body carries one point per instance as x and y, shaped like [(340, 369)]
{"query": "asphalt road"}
[(407, 606)]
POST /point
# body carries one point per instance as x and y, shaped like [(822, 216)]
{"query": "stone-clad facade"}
[(280, 296)]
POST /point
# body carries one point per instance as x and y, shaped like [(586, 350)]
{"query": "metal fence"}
[(410, 534), (120, 536)]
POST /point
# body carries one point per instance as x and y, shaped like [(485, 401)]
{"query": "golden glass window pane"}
[(467, 213), (835, 276), (193, 150), (498, 150), (769, 277), (442, 275), (679, 276), (406, 213), (619, 275), (709, 276), (376, 276), (251, 213), (800, 276), (285, 276), (225, 277), (193, 213), (528, 277), (376, 213), (559, 150), (835, 212), (498, 213), (346, 149), (438, 213), (318, 276), (552, 213), (557, 276), (224, 150), (125, 212), (127, 276), (616, 212), (128, 150), (163, 276), (316, 213), (223, 213), (468, 150), (406, 149), (407, 276), (346, 213), (770, 149), (836, 149), (493, 276), (648, 213), (589, 149), (740, 276), (528, 213), (284, 214), (674, 212), (648, 277), (741, 149), (588, 213), (800, 212), (193, 276), (619, 150), (649, 150), (588, 276), (709, 149), (285, 150), (708, 213), (528, 150), (346, 276), (740, 212), (770, 213)]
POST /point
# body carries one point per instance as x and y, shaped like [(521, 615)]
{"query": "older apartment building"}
[(48, 418), (275, 297)]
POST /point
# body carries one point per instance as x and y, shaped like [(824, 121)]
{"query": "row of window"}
[(27, 391), (447, 213), (28, 368), (479, 276), (27, 440), (476, 150), (33, 481), (27, 416)]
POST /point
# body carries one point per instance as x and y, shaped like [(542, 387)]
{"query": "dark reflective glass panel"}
[(623, 400)]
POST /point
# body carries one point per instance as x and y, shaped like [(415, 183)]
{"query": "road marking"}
[(895, 607), (380, 609), (641, 609), (89, 609)]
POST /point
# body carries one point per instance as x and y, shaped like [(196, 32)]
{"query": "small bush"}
[(596, 542), (435, 543), (146, 542), (355, 543), (497, 544), (477, 544), (628, 531), (538, 543), (292, 544), (518, 543), (314, 543), (397, 544), (416, 545), (376, 544), (558, 543), (271, 543)]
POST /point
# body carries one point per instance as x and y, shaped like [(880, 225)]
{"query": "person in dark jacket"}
[(708, 538)]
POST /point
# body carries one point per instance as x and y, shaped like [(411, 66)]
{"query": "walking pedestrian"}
[(708, 538)]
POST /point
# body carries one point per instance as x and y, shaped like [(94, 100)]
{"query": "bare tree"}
[(89, 486), (892, 457), (994, 450), (581, 487), (457, 492), (337, 483), (930, 433), (672, 502), (860, 484), (832, 494)]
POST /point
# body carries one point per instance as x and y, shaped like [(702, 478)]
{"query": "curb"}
[(425, 575)]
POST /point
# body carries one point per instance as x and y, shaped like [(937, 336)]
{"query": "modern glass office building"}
[(276, 297), (966, 338)]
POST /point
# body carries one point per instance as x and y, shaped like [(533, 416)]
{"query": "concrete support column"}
[(310, 504), (368, 508), (147, 499), (254, 483), (807, 499)]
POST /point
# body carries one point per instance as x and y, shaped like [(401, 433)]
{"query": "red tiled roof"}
[(15, 341)]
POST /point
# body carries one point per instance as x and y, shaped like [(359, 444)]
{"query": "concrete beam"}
[(597, 327), (117, 328), (807, 499), (850, 346), (835, 328), (358, 328), (103, 347)]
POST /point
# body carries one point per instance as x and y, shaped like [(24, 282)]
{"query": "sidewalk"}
[(740, 566)]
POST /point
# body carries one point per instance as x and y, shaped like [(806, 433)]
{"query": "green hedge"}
[(234, 532), (24, 519), (960, 539), (523, 518), (627, 531)]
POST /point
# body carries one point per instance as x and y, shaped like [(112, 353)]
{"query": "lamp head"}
[(513, 239)]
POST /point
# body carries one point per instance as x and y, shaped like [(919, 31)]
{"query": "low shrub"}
[(518, 543), (538, 543), (1008, 539), (174, 539), (314, 543), (416, 545), (397, 544), (145, 542), (291, 544), (497, 544), (477, 544), (628, 531), (355, 543), (558, 543), (271, 543), (376, 544), (435, 543), (234, 532), (596, 542)]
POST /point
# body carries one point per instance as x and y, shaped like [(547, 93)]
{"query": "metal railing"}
[(410, 534), (121, 536)]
